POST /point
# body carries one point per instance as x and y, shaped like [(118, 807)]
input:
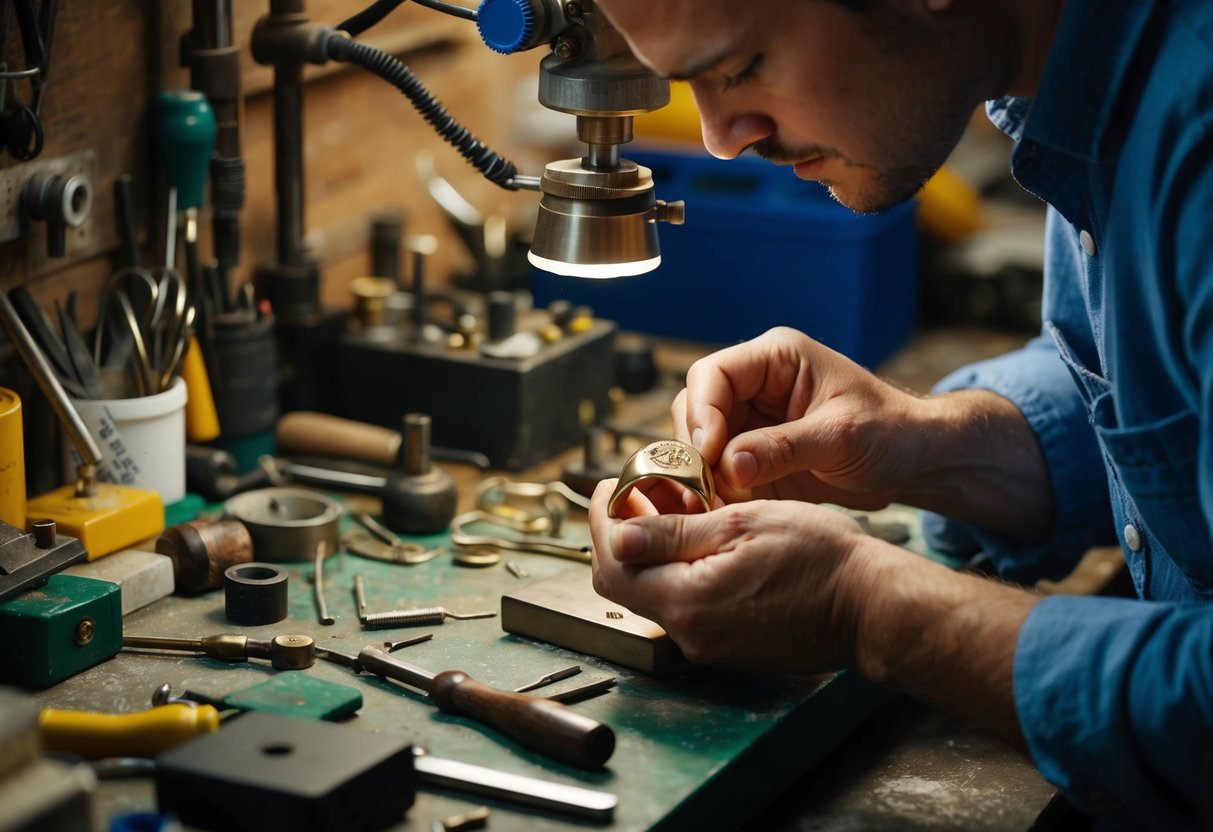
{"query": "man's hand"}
[(792, 587), (783, 416), (767, 585)]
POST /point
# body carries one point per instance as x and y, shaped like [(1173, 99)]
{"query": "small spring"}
[(420, 617)]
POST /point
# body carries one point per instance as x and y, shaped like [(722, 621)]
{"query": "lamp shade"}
[(596, 223)]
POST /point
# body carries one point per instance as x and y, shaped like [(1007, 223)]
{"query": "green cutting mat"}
[(705, 749)]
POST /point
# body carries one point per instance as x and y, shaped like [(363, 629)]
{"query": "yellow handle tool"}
[(143, 734), (201, 417)]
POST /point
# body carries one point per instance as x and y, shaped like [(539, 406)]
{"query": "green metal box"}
[(59, 629)]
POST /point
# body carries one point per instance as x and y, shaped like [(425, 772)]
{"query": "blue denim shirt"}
[(1115, 696)]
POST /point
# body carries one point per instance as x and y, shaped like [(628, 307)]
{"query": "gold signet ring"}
[(666, 459)]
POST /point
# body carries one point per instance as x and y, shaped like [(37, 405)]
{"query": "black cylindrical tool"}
[(246, 356), (635, 366), (502, 314), (387, 234), (254, 593), (418, 498), (213, 58), (245, 383), (561, 312)]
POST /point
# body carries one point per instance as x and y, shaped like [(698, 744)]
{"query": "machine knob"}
[(506, 26)]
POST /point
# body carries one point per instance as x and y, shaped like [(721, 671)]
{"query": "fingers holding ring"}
[(667, 459)]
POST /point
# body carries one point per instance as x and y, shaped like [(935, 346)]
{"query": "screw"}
[(565, 48), (572, 9), (85, 631)]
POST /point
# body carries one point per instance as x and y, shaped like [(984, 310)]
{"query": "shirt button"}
[(1088, 243), (1132, 538)]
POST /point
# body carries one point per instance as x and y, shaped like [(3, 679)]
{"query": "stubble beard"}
[(871, 190), (890, 187)]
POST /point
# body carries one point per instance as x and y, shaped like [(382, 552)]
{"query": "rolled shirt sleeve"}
[(1036, 380)]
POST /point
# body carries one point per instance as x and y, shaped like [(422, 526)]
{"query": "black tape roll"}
[(254, 593)]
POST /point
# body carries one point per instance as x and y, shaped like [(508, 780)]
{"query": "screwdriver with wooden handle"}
[(538, 723), (142, 734)]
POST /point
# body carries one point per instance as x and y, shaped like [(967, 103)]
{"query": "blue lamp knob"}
[(506, 26)]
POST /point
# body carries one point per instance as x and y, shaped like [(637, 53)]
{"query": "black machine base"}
[(518, 412)]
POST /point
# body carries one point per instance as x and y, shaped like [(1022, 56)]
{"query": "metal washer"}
[(288, 525)]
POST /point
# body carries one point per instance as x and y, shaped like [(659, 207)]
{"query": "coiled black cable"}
[(372, 14), (495, 168), (368, 17)]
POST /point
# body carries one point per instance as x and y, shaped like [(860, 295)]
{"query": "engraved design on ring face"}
[(670, 455)]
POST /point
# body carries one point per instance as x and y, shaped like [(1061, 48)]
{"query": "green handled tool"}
[(184, 128)]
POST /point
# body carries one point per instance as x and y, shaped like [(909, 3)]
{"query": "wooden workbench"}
[(704, 749)]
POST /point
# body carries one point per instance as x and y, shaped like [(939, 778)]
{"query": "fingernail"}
[(745, 466), (628, 542), (697, 439)]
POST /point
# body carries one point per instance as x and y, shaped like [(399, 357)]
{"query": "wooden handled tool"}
[(320, 434), (546, 726)]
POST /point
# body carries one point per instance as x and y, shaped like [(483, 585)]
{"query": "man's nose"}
[(726, 131)]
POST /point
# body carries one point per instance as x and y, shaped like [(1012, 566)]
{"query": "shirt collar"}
[(1088, 66)]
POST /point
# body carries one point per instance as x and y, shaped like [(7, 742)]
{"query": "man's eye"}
[(751, 69)]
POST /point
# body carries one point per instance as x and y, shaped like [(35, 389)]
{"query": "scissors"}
[(153, 318)]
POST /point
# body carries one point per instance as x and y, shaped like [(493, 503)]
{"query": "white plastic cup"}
[(142, 441)]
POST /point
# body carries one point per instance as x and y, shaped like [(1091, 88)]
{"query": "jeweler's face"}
[(870, 103)]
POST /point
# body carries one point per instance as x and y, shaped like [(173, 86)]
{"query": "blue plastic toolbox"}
[(761, 248)]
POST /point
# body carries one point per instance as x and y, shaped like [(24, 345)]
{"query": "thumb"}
[(667, 538), (762, 456)]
